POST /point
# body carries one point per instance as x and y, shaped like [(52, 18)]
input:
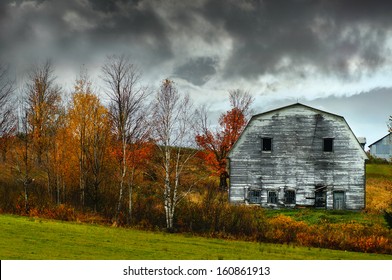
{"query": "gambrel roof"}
[(295, 105), (317, 111)]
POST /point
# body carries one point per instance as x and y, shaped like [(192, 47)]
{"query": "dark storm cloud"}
[(343, 38), (81, 30), (198, 70), (111, 5), (326, 35)]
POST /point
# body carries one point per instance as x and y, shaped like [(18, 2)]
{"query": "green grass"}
[(29, 238), (379, 171), (313, 216)]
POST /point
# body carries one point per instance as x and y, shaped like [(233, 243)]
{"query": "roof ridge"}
[(295, 104)]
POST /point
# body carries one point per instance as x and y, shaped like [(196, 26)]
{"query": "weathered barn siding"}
[(297, 161), (382, 148)]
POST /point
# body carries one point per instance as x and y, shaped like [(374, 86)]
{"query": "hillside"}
[(207, 214), (378, 188), (31, 238)]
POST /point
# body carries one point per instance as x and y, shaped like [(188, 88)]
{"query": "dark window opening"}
[(267, 144), (255, 196), (272, 198), (328, 145), (289, 197)]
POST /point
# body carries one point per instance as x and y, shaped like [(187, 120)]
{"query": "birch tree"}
[(128, 114), (173, 126)]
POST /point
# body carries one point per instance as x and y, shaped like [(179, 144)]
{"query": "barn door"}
[(338, 200), (320, 197)]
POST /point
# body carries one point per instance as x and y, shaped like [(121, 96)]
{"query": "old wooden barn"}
[(382, 148), (298, 156)]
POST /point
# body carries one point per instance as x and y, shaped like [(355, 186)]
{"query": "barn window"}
[(328, 145), (254, 196), (272, 198), (266, 144), (289, 197)]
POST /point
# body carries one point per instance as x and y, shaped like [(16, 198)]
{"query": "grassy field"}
[(379, 171), (35, 238), (314, 217), (31, 238)]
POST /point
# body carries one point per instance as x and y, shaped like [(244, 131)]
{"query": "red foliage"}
[(217, 144), (137, 154)]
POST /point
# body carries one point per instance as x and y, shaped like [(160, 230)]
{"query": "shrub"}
[(388, 219), (213, 216), (283, 229), (61, 212)]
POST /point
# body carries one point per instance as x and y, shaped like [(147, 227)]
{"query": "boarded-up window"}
[(266, 144), (289, 197), (328, 145), (272, 197), (254, 196)]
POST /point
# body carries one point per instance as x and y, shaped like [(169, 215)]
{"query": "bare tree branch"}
[(173, 119), (242, 100), (128, 112), (43, 103), (7, 116)]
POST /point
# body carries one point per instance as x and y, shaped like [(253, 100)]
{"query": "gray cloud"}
[(341, 38), (197, 70), (277, 49), (326, 35), (79, 31)]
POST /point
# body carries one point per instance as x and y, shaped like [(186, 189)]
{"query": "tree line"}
[(141, 148)]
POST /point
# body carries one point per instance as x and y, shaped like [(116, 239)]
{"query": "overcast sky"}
[(334, 55)]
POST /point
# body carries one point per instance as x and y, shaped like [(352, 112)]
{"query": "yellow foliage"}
[(378, 195)]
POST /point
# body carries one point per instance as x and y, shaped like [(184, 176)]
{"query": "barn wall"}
[(383, 148), (297, 160)]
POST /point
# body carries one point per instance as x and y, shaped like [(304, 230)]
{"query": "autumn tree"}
[(57, 158), (39, 116), (22, 154), (43, 103), (128, 114), (217, 143), (90, 127), (173, 126)]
